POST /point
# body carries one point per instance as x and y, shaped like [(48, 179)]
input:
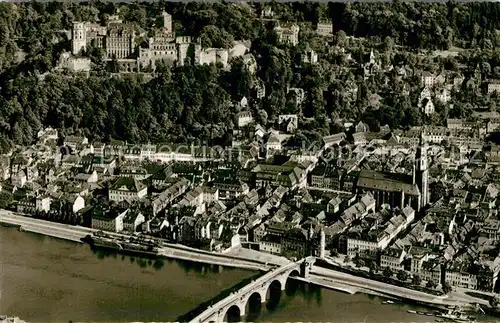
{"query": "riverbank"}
[(401, 293), (246, 259), (167, 250)]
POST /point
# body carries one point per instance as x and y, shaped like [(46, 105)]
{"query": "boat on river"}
[(457, 316), (106, 243)]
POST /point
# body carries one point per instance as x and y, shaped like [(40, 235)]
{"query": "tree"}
[(5, 199), (373, 267), (416, 280), (358, 262), (447, 288), (402, 275), (114, 67), (494, 301), (431, 284), (387, 272), (263, 117), (341, 38)]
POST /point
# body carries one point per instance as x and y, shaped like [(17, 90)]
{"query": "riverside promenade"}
[(249, 259), (168, 250), (455, 298)]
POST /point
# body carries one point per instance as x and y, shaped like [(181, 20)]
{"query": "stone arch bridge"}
[(240, 298)]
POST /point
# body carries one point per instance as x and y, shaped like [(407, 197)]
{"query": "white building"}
[(78, 203), (132, 221), (428, 107), (428, 79), (244, 118), (324, 28), (462, 279), (288, 34), (127, 189), (292, 121), (273, 144), (493, 87), (48, 134), (393, 258), (42, 203), (335, 139), (444, 96)]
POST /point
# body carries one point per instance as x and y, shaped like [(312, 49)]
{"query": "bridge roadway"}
[(217, 312)]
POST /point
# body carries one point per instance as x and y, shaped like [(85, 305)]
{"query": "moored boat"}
[(457, 316), (105, 243), (412, 311)]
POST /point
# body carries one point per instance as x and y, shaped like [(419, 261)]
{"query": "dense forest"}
[(194, 102)]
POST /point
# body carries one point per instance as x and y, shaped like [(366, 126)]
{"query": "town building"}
[(127, 189), (324, 28), (108, 220), (288, 34)]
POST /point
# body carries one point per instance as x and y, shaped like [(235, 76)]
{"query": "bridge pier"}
[(217, 312), (282, 281)]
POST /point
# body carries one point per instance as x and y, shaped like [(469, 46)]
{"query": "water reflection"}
[(275, 299), (145, 261), (49, 280)]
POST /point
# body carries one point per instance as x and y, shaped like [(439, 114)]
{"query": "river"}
[(51, 280)]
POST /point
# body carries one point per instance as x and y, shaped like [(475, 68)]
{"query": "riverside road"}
[(242, 258)]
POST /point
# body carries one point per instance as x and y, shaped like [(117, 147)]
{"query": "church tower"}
[(322, 243), (421, 172)]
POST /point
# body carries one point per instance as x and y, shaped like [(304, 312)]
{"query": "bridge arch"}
[(261, 293), (232, 308), (286, 275), (254, 303)]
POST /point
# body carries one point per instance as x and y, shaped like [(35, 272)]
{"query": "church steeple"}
[(421, 173)]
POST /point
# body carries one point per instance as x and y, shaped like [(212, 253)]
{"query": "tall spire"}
[(422, 138), (421, 175)]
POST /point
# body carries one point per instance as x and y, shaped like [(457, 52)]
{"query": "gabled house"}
[(273, 144), (335, 139), (132, 221), (288, 34), (127, 189), (108, 220), (288, 122), (428, 107), (75, 143), (444, 95), (428, 79), (244, 118)]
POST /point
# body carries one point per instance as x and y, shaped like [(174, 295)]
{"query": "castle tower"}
[(167, 22), (421, 171), (79, 37)]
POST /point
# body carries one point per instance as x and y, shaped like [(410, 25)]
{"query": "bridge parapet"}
[(260, 286)]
